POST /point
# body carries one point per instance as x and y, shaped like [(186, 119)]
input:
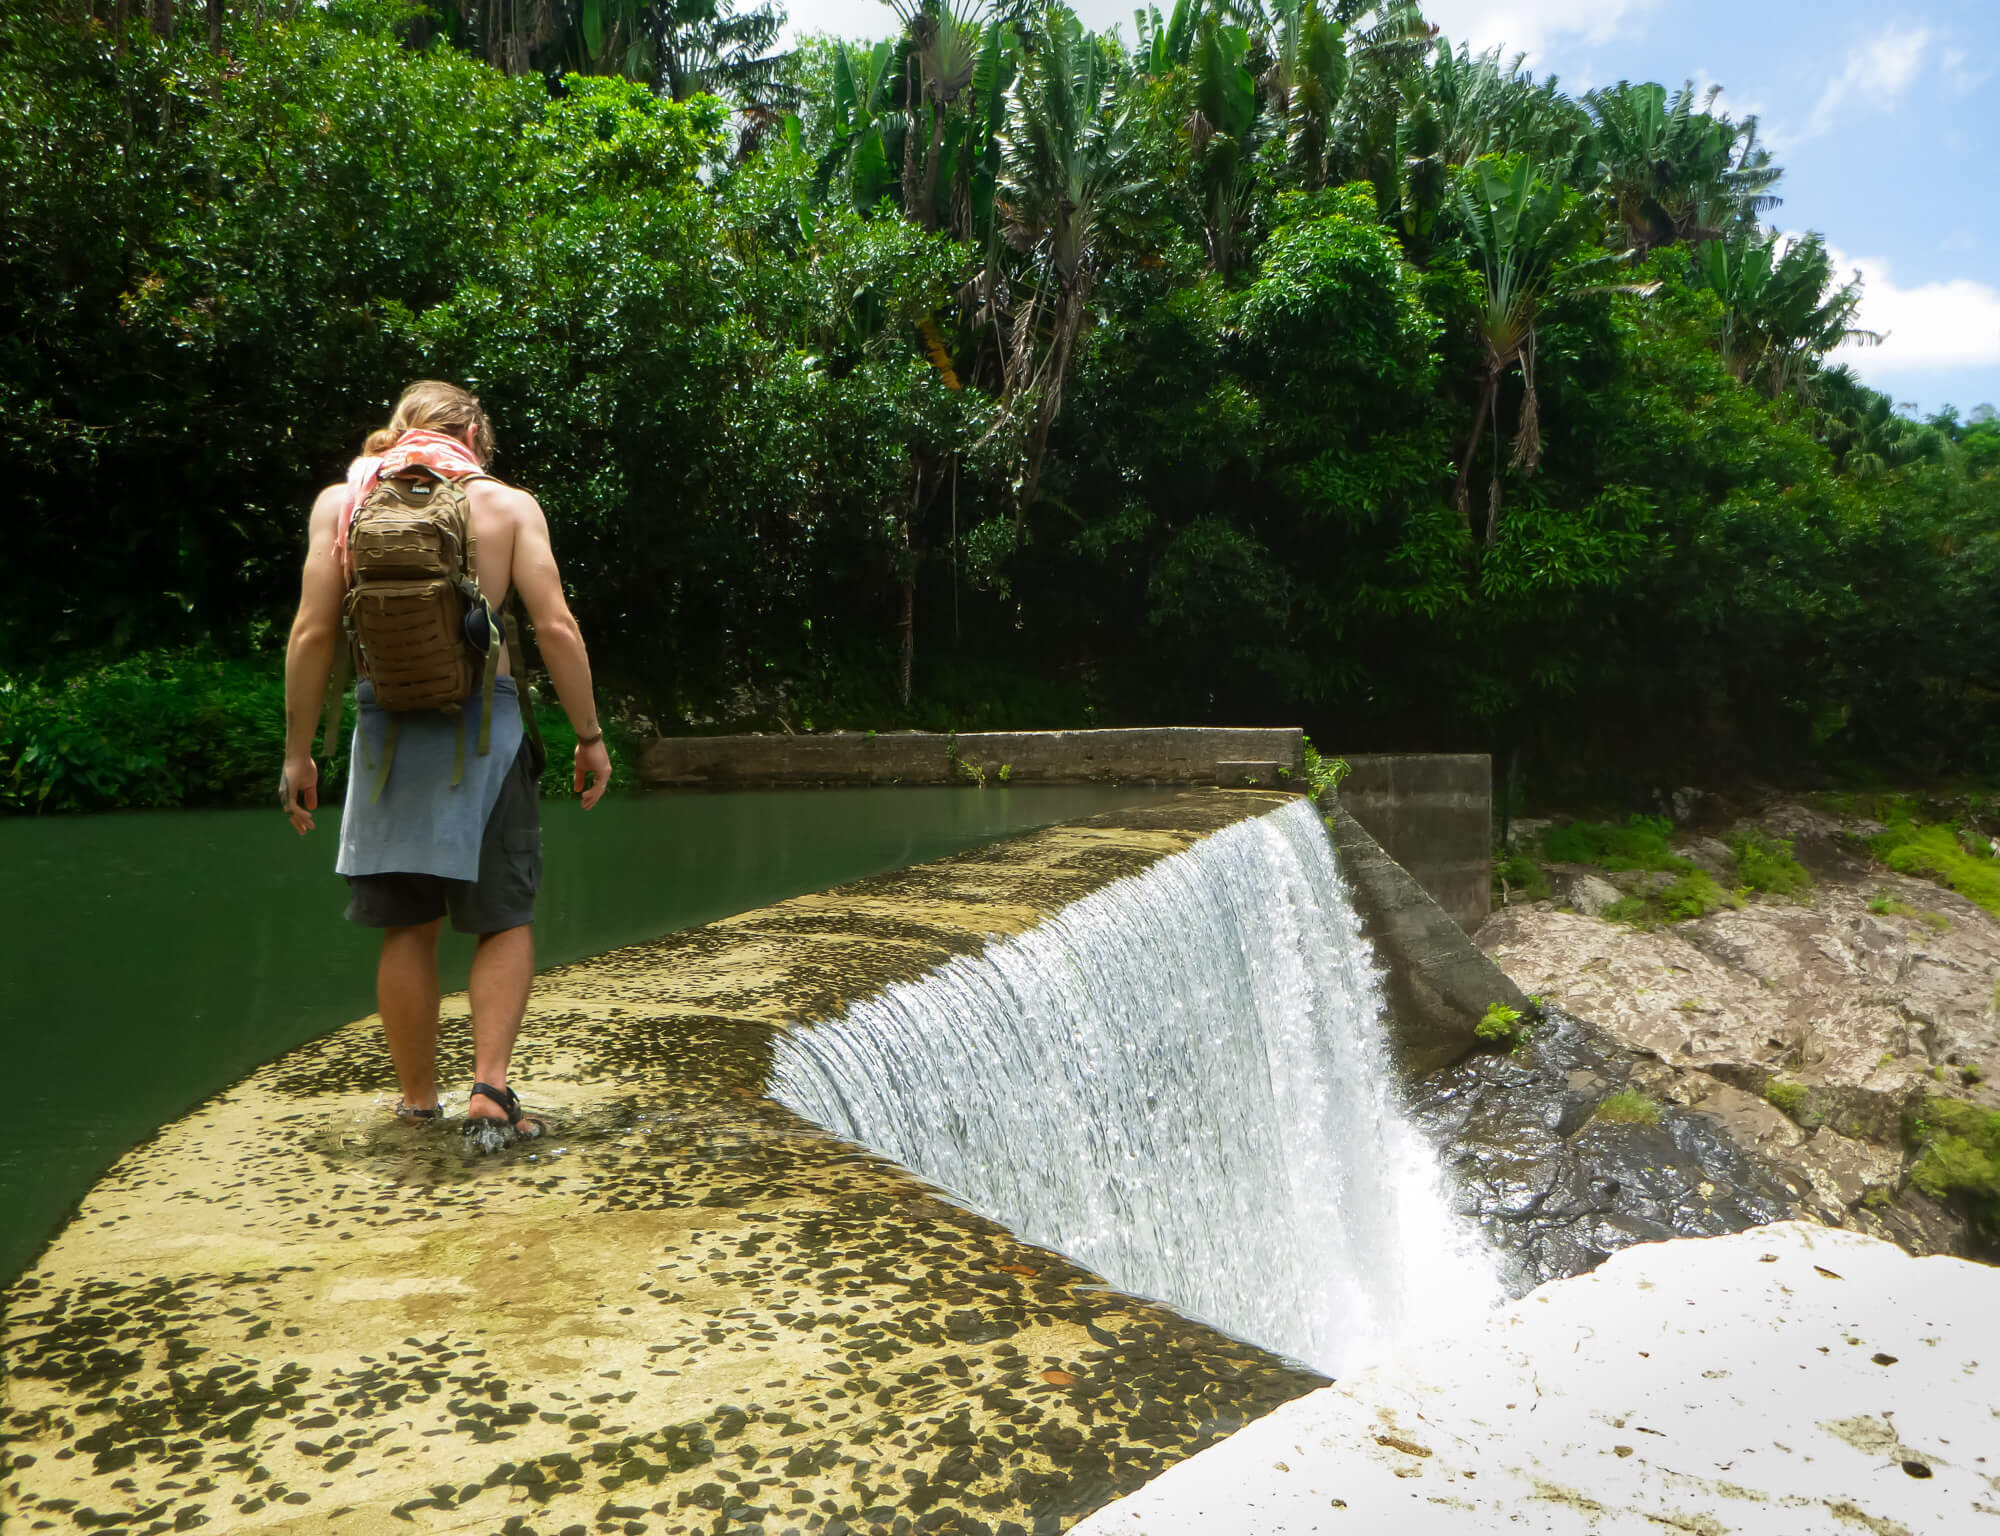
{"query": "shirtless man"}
[(404, 891)]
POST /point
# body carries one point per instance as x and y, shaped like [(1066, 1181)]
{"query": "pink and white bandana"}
[(433, 450)]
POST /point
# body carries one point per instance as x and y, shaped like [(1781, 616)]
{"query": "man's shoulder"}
[(497, 495), (330, 502)]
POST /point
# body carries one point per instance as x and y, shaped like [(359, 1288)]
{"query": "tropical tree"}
[(1782, 310), (1064, 158), (1525, 232), (1674, 171)]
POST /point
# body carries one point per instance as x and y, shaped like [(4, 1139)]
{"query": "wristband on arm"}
[(591, 740)]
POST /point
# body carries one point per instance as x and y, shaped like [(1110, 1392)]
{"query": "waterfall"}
[(1181, 1081)]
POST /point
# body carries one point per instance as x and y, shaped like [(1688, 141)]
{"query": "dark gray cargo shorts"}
[(510, 872)]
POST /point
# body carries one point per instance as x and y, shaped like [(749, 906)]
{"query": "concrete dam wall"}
[(691, 1308)]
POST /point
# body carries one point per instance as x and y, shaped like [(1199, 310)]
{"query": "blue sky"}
[(1883, 117)]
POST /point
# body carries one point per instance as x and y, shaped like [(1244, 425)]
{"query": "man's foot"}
[(411, 1114), (488, 1105)]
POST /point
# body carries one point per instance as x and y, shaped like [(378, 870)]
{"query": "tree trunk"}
[(215, 26), (908, 624), (1461, 495)]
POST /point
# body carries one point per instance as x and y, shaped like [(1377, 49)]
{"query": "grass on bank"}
[(1642, 844), (169, 729), (1933, 839)]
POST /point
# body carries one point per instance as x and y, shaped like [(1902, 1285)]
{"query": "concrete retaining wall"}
[(1432, 813), (1440, 983), (1163, 754)]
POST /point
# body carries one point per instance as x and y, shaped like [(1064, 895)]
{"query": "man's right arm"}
[(561, 641), (309, 657)]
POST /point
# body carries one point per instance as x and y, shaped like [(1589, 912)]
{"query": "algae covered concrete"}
[(687, 1310)]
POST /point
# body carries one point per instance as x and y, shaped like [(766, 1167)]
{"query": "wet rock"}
[(1875, 991), (1558, 1187), (1711, 854), (1579, 888)]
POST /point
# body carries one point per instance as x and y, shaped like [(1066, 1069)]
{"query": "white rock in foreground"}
[(1791, 1379)]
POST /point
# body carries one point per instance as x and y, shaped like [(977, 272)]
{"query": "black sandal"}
[(526, 1127), (411, 1116)]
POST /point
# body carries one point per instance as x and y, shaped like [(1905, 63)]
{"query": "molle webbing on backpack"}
[(413, 560)]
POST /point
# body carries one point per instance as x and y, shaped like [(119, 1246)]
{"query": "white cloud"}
[(1939, 325), (867, 19), (1875, 76), (1529, 26)]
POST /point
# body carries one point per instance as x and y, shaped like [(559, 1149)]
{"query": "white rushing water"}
[(1183, 1082)]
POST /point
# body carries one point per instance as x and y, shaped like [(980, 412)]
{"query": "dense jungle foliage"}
[(1289, 364)]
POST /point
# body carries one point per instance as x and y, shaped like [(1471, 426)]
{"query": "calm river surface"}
[(149, 959)]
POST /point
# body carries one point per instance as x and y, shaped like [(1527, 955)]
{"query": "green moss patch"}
[(1959, 1158), (1936, 851), (1628, 1106), (1790, 1097)]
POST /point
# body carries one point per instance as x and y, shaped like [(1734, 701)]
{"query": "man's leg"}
[(503, 968), (406, 988)]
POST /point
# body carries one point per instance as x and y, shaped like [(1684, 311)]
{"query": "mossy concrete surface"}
[(685, 1310)]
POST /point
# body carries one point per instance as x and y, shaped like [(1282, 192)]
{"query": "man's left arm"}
[(309, 658)]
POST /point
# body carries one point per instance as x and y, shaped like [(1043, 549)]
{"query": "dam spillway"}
[(1182, 1081), (690, 1310)]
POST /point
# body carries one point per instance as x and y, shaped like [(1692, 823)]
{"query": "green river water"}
[(149, 959)]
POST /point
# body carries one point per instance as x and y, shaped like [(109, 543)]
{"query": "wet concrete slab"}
[(685, 1310)]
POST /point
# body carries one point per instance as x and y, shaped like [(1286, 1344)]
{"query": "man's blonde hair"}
[(430, 405)]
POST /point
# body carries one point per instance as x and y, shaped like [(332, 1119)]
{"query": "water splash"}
[(1183, 1082)]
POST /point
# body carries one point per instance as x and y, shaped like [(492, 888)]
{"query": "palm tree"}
[(1867, 435), (1526, 231), (1063, 164), (1308, 74), (945, 43), (1781, 309), (1674, 171)]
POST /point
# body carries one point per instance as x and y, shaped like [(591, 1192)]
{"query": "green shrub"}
[(1641, 843), (1519, 873), (191, 728), (1694, 894), (1689, 895), (164, 728), (1502, 1025), (1766, 864), (1323, 773), (1790, 1097), (1628, 1106)]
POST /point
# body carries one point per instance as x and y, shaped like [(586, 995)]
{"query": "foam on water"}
[(1183, 1082)]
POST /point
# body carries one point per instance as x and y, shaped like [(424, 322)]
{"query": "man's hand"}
[(299, 792), (592, 762)]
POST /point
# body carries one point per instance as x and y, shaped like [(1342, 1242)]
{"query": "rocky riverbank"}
[(1817, 1030)]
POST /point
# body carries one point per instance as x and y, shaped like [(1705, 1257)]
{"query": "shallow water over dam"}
[(1182, 1081)]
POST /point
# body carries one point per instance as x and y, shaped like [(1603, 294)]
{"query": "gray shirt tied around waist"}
[(423, 824)]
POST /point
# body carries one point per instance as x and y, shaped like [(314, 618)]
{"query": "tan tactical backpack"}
[(414, 619)]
